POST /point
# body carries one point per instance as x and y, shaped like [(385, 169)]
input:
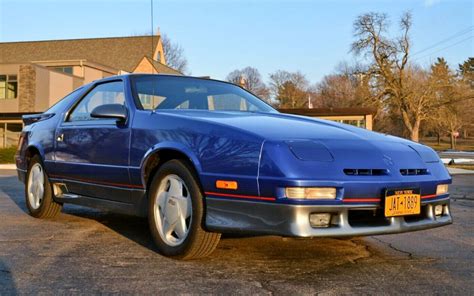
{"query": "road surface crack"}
[(410, 255)]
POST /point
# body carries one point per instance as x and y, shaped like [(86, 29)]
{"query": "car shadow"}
[(7, 282), (132, 227), (14, 190)]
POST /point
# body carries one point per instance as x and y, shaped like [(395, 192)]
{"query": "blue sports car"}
[(201, 157)]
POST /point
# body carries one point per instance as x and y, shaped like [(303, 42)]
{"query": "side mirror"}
[(114, 111)]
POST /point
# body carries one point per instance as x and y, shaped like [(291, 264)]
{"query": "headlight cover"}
[(442, 189), (313, 193), (426, 153), (310, 150)]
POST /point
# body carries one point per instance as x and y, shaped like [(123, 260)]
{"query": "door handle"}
[(60, 138)]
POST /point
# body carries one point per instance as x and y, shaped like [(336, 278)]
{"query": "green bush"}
[(7, 155)]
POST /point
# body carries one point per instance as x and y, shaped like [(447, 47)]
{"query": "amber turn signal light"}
[(220, 184)]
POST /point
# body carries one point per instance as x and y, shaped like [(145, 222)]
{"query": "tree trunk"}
[(415, 131), (414, 134), (438, 134), (453, 141)]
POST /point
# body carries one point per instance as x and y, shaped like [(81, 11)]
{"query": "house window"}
[(158, 56), (10, 133), (67, 70), (8, 86)]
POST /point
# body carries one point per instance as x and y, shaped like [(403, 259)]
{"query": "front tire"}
[(176, 213), (38, 191)]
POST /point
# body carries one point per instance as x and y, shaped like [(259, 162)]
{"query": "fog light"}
[(320, 220), (438, 210), (311, 192), (442, 189)]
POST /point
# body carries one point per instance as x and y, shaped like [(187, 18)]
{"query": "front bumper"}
[(236, 216)]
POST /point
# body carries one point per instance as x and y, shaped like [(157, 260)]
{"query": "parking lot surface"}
[(91, 251)]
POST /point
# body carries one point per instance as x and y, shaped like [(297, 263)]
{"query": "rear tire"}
[(38, 191), (176, 213)]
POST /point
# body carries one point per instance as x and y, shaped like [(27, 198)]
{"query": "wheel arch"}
[(160, 153), (31, 151)]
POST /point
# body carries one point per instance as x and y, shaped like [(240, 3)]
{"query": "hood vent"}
[(365, 172), (413, 172)]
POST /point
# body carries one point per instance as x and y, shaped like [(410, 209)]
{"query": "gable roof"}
[(121, 53), (162, 68)]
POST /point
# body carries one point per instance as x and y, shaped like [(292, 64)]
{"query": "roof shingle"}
[(121, 53)]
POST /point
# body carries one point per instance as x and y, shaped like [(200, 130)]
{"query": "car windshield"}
[(171, 92)]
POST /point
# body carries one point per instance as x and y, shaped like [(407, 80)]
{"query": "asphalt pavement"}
[(87, 251)]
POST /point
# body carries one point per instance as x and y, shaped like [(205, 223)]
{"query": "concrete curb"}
[(456, 171), (8, 166)]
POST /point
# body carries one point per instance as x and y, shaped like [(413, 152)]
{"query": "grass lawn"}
[(7, 155), (462, 166), (461, 144)]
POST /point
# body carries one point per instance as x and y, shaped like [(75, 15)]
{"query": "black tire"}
[(48, 208), (198, 243)]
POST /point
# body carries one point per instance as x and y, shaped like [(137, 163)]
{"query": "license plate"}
[(402, 202)]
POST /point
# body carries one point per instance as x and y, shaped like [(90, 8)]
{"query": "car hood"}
[(344, 142)]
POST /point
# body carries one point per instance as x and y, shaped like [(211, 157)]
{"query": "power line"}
[(458, 34), (444, 48)]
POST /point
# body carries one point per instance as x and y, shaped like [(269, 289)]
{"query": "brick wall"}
[(26, 88)]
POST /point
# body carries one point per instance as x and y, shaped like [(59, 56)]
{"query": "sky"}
[(218, 37)]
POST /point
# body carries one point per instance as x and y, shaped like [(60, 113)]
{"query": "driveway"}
[(91, 251)]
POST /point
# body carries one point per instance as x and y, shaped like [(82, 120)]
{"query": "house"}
[(36, 74), (357, 116)]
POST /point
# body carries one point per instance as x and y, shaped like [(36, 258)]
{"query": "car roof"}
[(159, 75)]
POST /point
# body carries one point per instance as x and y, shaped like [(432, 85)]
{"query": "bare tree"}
[(290, 89), (389, 65), (252, 81), (174, 55), (336, 90)]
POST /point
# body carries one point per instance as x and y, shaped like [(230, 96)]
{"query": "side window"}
[(106, 93)]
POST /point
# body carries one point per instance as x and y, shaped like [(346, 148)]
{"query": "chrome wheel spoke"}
[(181, 227), (162, 197), (176, 187), (184, 206), (167, 228)]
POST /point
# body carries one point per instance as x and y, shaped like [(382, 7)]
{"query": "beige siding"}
[(42, 89), (77, 71), (9, 105), (92, 74), (59, 86), (144, 67)]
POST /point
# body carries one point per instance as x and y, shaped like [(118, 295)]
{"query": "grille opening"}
[(364, 218), (421, 216), (413, 172), (365, 172)]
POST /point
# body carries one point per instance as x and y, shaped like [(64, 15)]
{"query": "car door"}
[(91, 154)]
